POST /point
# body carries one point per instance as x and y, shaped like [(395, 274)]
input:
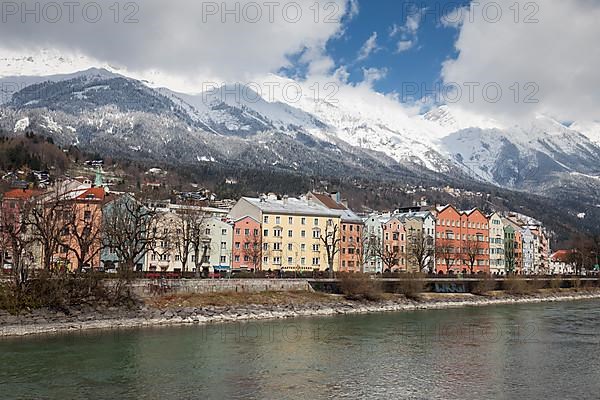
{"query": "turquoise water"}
[(549, 351)]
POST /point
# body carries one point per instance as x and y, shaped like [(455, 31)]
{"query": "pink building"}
[(247, 244)]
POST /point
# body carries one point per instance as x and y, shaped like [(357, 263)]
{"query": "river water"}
[(541, 351)]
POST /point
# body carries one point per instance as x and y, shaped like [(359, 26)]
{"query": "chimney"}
[(285, 200), (337, 197)]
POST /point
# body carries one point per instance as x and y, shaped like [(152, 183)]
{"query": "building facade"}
[(296, 233)]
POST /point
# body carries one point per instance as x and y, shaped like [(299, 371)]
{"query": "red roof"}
[(562, 255), (21, 194), (95, 193), (328, 202)]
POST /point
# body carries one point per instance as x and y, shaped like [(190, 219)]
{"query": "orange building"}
[(518, 249), (462, 240), (82, 240), (351, 231), (247, 244)]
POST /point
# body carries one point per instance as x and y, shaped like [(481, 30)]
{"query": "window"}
[(265, 260), (303, 221), (316, 222), (223, 245), (87, 215), (266, 233), (238, 231), (266, 219), (266, 246), (316, 234), (237, 245), (223, 259), (303, 261), (276, 246), (290, 233), (277, 232), (277, 260), (290, 220), (256, 232), (223, 232), (246, 231), (177, 257), (290, 247), (278, 220), (315, 247), (316, 261), (237, 258), (207, 231), (290, 261), (303, 247), (303, 234)]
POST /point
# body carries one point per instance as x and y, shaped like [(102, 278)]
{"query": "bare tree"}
[(331, 240), (444, 250), (420, 249), (255, 250), (16, 241), (85, 241), (129, 230), (187, 228), (582, 255), (510, 259), (363, 249), (200, 242), (50, 220), (390, 256), (471, 250)]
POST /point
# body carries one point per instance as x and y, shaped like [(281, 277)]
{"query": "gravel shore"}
[(84, 318)]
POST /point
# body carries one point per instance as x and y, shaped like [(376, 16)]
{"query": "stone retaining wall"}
[(149, 287)]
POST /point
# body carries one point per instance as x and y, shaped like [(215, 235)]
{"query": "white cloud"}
[(185, 38), (404, 45), (372, 75), (408, 32), (368, 47), (559, 54)]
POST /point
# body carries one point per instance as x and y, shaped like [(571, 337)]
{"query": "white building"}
[(497, 258), (220, 234)]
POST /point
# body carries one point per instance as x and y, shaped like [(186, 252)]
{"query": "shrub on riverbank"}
[(360, 287), (59, 291), (484, 286), (519, 286), (412, 285)]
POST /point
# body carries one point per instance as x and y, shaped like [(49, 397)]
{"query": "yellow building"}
[(296, 234)]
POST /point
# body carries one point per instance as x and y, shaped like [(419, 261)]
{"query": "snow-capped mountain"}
[(102, 110)]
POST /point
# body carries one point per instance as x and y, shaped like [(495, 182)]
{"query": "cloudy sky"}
[(502, 58)]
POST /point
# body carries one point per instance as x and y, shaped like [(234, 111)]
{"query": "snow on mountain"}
[(84, 106), (589, 128)]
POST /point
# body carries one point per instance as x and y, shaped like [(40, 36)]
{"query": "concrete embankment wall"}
[(148, 287)]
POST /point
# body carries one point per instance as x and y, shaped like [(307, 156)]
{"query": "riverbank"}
[(196, 310)]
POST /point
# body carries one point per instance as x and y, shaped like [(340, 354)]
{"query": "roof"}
[(291, 206), (562, 256), (246, 217), (328, 202), (422, 215), (21, 194), (92, 194), (345, 214)]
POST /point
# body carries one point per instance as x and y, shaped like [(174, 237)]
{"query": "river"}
[(537, 351)]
